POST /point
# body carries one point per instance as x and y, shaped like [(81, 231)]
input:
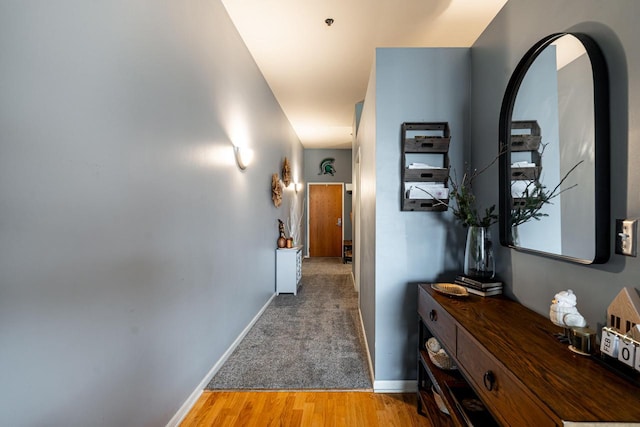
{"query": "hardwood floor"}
[(288, 409)]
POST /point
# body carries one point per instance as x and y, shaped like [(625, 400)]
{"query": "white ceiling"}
[(319, 72)]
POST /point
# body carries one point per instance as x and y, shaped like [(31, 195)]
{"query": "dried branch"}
[(535, 199), (294, 221), (465, 208)]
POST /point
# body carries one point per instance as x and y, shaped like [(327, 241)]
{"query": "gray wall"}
[(126, 225), (343, 161), (531, 279), (411, 85)]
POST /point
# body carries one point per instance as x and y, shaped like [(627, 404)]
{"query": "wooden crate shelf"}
[(526, 137), (427, 139), (530, 174), (525, 142), (427, 144), (425, 205), (426, 175), (519, 203)]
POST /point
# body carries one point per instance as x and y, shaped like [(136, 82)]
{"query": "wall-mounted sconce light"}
[(243, 156)]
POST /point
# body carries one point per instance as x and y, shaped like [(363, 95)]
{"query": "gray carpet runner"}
[(309, 341)]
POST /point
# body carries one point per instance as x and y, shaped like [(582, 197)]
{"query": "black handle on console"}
[(489, 380), (433, 316)]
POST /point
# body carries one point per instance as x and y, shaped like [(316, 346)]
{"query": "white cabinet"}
[(288, 270)]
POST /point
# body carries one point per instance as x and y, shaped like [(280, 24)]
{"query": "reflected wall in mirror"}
[(554, 133)]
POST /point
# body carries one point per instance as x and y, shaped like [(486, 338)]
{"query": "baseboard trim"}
[(366, 348), (404, 386), (193, 397)]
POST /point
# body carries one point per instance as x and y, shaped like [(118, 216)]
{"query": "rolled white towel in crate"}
[(417, 165), (519, 188), (523, 164), (426, 190)]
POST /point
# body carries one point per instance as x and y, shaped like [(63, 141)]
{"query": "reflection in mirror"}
[(557, 92), (550, 175)]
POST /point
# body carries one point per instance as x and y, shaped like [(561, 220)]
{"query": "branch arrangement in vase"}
[(534, 197), (465, 209)]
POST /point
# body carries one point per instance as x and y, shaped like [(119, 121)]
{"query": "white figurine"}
[(563, 311)]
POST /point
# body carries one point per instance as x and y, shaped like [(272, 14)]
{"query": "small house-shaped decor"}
[(623, 313)]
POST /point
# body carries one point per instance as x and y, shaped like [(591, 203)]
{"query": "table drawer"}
[(500, 391), (439, 322)]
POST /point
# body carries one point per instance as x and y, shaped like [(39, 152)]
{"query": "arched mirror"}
[(554, 136)]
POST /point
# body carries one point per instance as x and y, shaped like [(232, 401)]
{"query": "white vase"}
[(478, 254)]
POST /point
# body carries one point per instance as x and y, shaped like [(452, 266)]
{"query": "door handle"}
[(339, 224)]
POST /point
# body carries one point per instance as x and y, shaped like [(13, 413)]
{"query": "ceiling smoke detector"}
[(328, 21)]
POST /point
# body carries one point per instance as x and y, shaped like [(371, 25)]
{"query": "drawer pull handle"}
[(432, 315), (489, 380)]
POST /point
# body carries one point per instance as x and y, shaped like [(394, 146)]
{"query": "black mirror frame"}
[(602, 156)]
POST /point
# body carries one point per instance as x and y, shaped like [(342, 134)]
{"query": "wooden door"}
[(325, 220)]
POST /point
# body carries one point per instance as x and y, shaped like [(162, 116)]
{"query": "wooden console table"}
[(511, 359)]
